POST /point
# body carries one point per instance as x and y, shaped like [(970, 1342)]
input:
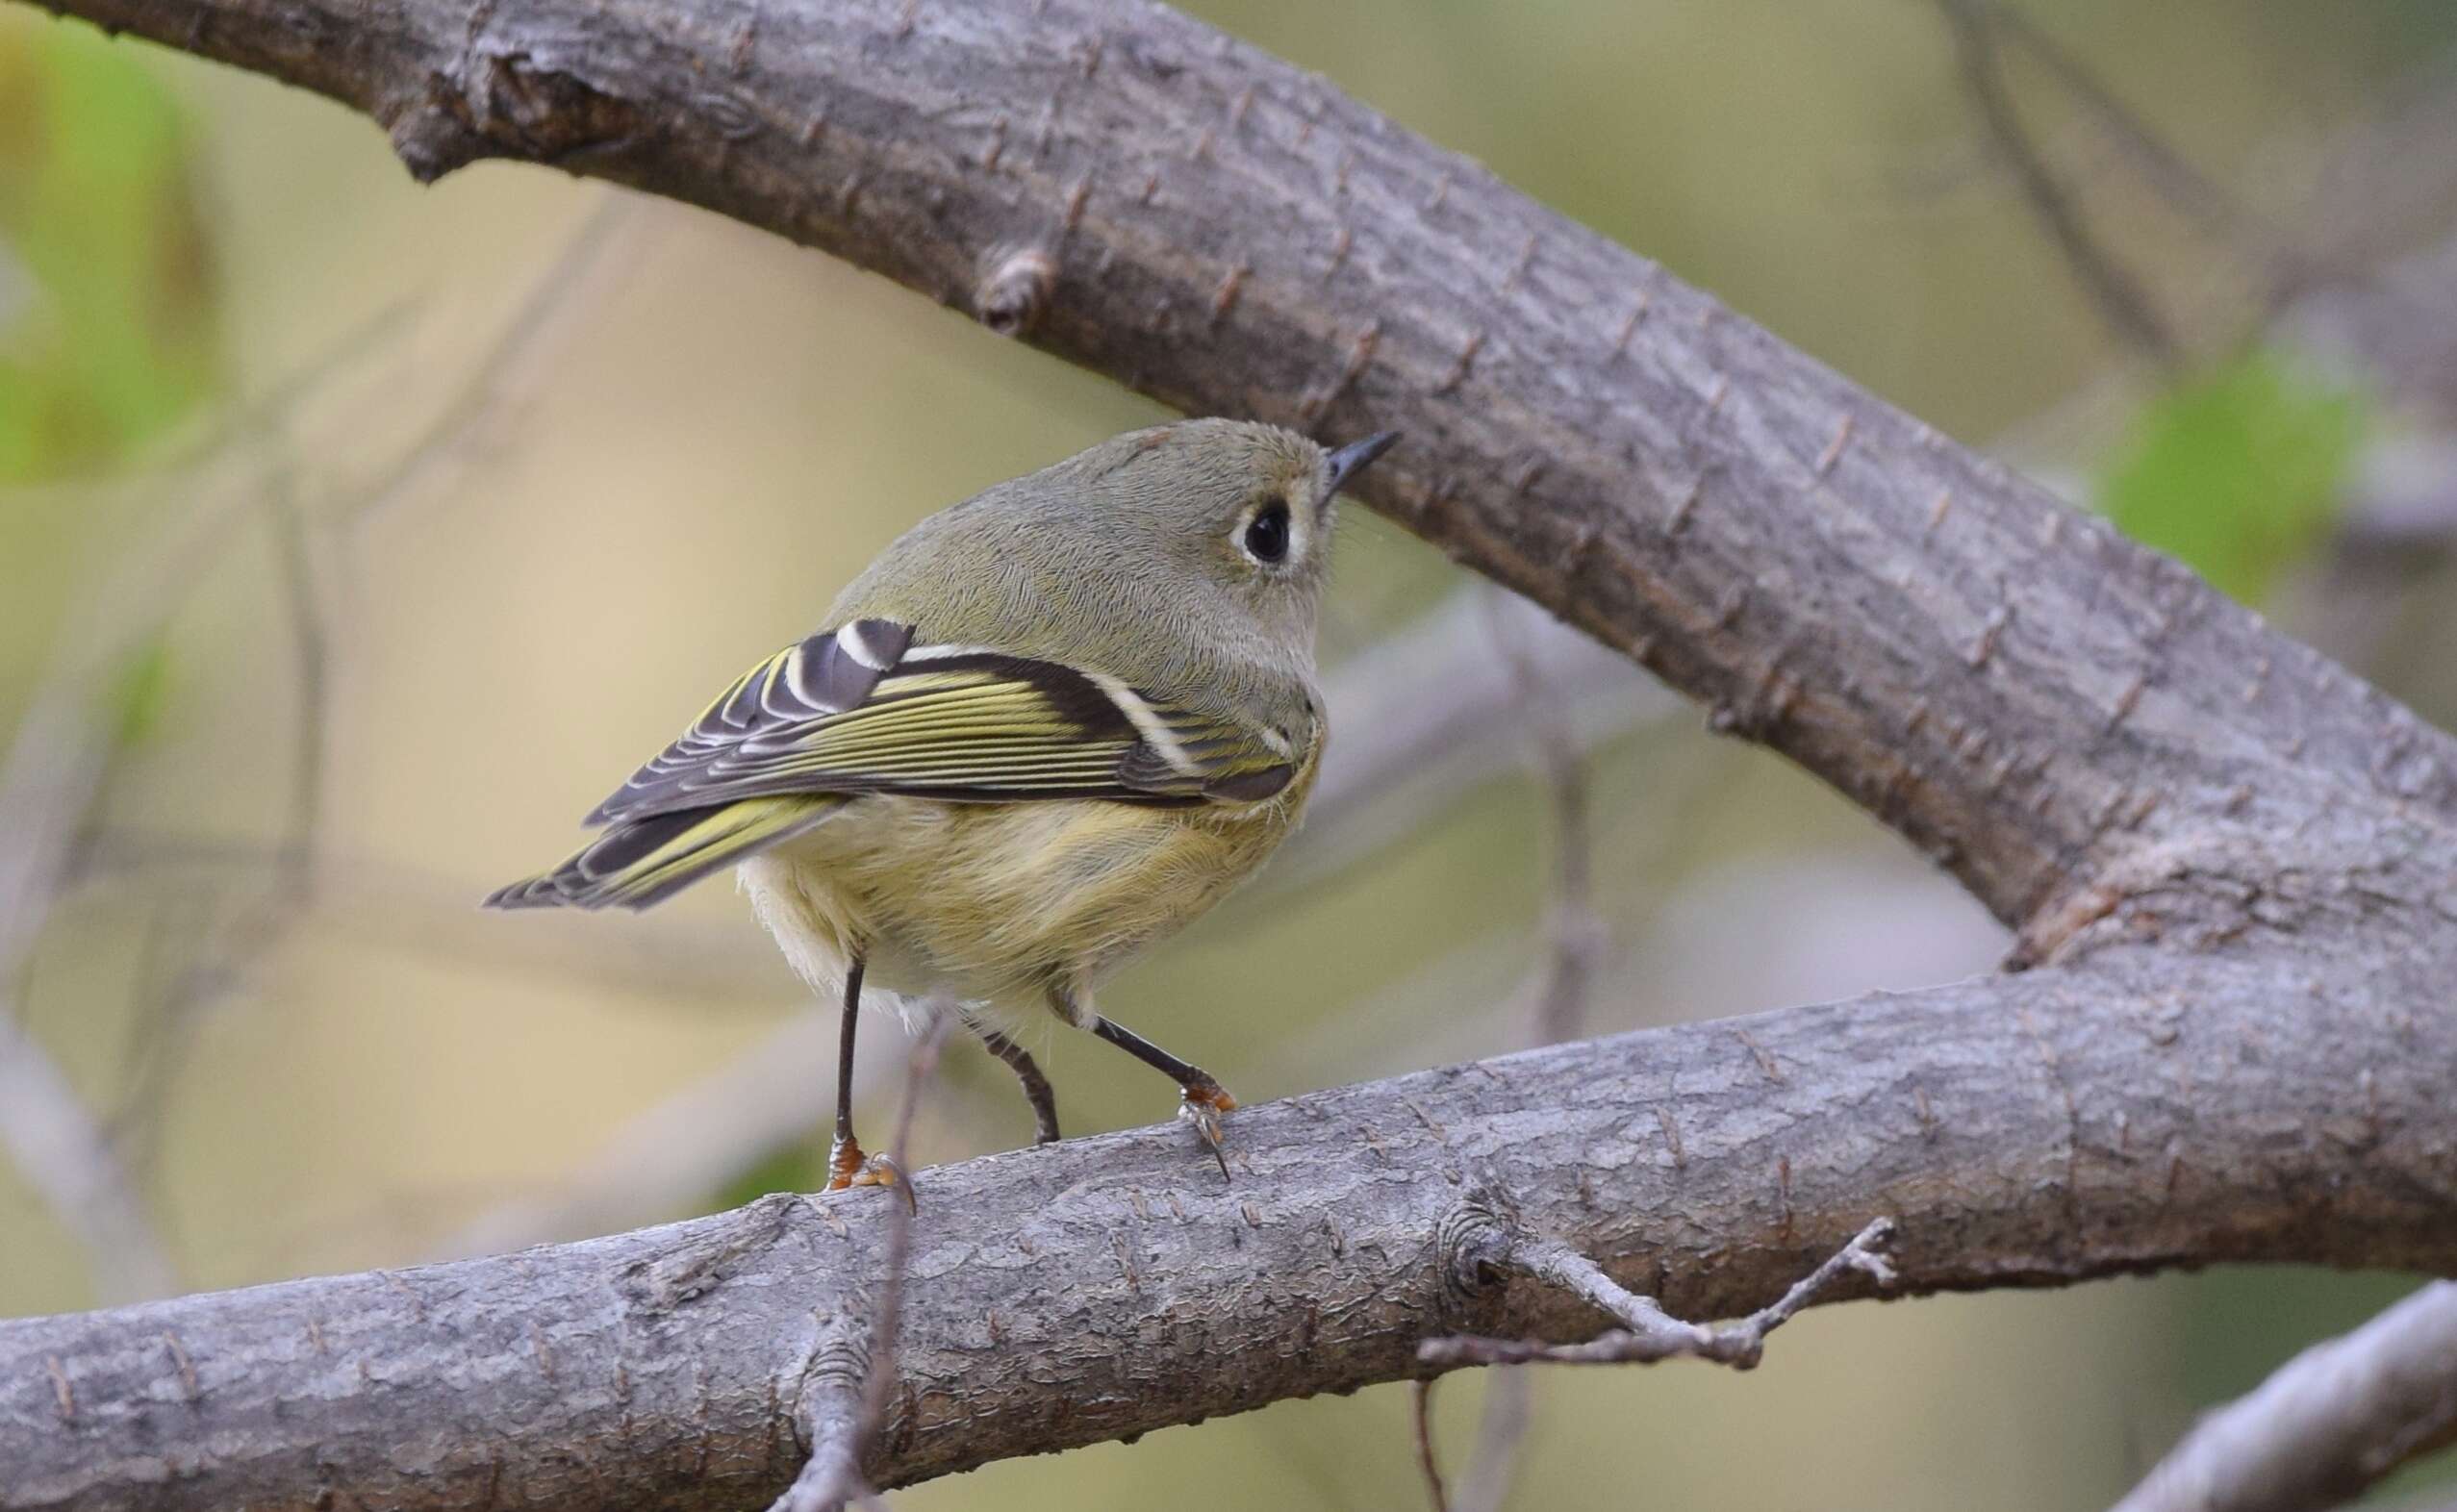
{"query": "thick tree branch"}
[(2037, 703), (2062, 1123)]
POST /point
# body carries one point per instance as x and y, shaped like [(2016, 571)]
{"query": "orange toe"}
[(1211, 1096)]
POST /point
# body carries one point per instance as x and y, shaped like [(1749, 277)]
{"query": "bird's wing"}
[(861, 709)]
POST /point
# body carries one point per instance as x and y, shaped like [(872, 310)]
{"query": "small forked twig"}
[(1647, 1333)]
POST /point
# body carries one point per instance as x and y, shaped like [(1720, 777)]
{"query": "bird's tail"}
[(645, 861)]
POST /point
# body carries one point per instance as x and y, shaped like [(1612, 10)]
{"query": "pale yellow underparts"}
[(1004, 905)]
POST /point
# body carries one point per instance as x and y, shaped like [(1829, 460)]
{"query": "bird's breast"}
[(991, 902)]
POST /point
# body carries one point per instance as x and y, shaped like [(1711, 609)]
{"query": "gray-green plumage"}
[(1122, 558), (1119, 584)]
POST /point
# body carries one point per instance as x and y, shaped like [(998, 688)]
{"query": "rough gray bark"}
[(2011, 685), (2062, 1123), (2235, 858)]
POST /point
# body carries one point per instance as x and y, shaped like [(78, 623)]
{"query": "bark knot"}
[(507, 104), (1015, 291), (1472, 1242)]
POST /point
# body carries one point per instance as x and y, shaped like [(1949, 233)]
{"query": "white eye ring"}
[(1269, 535)]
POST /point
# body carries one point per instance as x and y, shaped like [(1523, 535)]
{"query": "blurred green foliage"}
[(2238, 471), (109, 314), (107, 310), (141, 691)]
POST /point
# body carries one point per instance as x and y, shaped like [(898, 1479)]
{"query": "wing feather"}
[(862, 710)]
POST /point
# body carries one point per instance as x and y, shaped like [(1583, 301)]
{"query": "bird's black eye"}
[(1267, 532)]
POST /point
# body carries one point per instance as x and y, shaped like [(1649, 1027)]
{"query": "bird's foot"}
[(1202, 1103), (848, 1167)]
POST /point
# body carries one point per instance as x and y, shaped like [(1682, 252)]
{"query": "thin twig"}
[(1574, 935), (1647, 1332), (919, 1066), (54, 1141), (312, 647), (1500, 1432), (54, 775), (841, 1423), (548, 315), (48, 785), (1425, 715), (2288, 269), (2173, 175), (2123, 303), (266, 923), (1421, 1412), (268, 918), (1556, 997)]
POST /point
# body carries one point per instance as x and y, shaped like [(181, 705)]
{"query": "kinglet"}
[(1049, 726)]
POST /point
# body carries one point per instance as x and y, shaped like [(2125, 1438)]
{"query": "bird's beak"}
[(1351, 460)]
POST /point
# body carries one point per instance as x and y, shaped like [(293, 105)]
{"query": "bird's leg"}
[(847, 1164), (1036, 1086), (1203, 1098)]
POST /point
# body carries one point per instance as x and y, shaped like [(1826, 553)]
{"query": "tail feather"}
[(647, 861)]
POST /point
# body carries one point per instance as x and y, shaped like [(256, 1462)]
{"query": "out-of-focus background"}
[(355, 537)]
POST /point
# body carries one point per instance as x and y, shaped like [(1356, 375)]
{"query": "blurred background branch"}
[(60, 1147), (2328, 1425), (2122, 300)]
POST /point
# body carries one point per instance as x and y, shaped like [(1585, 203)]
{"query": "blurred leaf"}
[(107, 330), (2236, 473), (142, 689)]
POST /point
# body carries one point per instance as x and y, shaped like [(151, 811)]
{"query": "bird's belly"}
[(994, 903)]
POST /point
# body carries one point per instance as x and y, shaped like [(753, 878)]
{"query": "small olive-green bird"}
[(1049, 726)]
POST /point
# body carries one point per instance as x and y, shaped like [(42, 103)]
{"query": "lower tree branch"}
[(2062, 1123), (2327, 1425)]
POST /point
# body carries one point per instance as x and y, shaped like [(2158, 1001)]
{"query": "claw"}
[(848, 1167), (1201, 1106)]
